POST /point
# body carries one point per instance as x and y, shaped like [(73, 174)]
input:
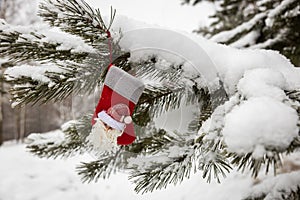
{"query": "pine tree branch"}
[(32, 44), (157, 158), (70, 78), (161, 175), (208, 102), (194, 2), (211, 142), (257, 24), (270, 161), (294, 97), (111, 162), (27, 89), (27, 44), (156, 101), (53, 150), (154, 141), (102, 168), (73, 142), (165, 89), (292, 194), (78, 18), (285, 186), (211, 157), (6, 64), (161, 167), (78, 130)]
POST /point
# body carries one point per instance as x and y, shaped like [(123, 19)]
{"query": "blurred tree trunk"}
[(22, 123), (20, 115), (1, 110), (2, 8), (2, 14)]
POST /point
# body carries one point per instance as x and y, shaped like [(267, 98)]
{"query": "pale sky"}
[(167, 13)]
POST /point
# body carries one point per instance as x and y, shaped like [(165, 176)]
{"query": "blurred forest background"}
[(17, 123)]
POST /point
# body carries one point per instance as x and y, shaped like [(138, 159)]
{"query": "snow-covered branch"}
[(78, 18)]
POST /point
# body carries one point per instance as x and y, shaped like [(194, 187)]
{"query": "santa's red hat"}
[(116, 116)]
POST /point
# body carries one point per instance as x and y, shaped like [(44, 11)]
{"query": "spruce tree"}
[(158, 157)]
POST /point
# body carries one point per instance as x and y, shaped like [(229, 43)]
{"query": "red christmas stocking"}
[(120, 88)]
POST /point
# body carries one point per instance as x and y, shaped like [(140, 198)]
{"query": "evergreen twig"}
[(78, 18), (74, 142)]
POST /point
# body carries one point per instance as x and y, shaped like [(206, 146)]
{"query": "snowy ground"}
[(26, 177)]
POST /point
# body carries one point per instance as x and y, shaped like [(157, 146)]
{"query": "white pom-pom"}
[(127, 120)]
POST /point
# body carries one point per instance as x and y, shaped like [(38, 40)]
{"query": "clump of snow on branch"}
[(36, 73), (54, 138), (263, 82), (226, 35), (66, 41), (276, 11), (43, 34), (260, 123), (275, 188)]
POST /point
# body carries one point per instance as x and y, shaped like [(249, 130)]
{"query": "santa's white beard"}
[(103, 139)]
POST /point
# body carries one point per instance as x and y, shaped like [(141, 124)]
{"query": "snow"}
[(233, 63), (263, 82), (26, 177), (227, 35), (55, 137), (271, 41), (275, 187), (170, 45), (263, 121), (64, 127), (247, 40), (258, 124), (277, 10), (36, 73), (22, 13), (66, 41), (198, 55), (49, 35)]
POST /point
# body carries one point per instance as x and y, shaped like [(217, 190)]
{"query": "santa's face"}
[(103, 137), (106, 127)]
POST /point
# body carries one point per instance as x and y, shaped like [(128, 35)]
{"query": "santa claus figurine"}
[(109, 126)]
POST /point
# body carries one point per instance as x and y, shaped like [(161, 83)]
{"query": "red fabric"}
[(109, 98)]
